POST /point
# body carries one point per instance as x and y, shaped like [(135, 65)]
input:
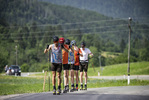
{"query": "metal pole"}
[(128, 70), (16, 55), (49, 68)]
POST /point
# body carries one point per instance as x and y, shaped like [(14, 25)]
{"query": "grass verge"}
[(18, 85), (137, 68)]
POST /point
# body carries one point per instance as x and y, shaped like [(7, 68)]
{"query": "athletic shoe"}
[(54, 92), (58, 92)]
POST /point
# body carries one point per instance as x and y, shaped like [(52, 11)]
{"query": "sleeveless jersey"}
[(71, 59), (56, 54)]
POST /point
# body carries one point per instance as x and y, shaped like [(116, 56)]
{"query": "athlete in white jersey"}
[(84, 64)]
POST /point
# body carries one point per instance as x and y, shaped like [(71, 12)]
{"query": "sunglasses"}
[(55, 41)]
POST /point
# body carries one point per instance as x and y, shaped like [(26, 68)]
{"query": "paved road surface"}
[(106, 93)]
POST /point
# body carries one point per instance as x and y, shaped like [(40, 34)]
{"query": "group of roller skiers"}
[(65, 54)]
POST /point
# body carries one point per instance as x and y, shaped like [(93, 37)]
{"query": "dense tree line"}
[(30, 25), (138, 9)]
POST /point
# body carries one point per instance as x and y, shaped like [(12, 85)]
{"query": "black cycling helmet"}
[(55, 39), (83, 43), (67, 42)]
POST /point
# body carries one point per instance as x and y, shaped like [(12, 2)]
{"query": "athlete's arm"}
[(63, 47), (80, 52), (91, 55), (71, 48), (47, 49)]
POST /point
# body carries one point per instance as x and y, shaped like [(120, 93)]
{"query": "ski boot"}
[(81, 88), (58, 92), (72, 89), (85, 87), (76, 89), (64, 91), (54, 91), (67, 88)]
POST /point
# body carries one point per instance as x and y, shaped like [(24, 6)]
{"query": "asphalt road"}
[(106, 93)]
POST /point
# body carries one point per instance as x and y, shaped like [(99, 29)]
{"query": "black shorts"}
[(83, 66), (66, 67), (71, 66), (76, 68), (56, 67)]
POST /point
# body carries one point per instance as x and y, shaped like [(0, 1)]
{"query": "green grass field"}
[(17, 85), (138, 68)]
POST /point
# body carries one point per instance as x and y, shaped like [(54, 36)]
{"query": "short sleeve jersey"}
[(85, 53), (77, 57), (65, 54)]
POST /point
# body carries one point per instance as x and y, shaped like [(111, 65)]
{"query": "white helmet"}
[(73, 42)]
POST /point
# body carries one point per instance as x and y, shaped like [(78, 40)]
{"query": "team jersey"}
[(65, 54), (56, 54), (77, 57), (71, 59), (85, 53)]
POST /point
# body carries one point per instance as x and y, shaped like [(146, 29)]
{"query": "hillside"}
[(138, 9), (30, 25), (137, 68)]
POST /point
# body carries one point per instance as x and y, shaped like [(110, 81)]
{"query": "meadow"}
[(34, 83)]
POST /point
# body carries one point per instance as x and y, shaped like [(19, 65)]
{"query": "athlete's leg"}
[(72, 80), (59, 78), (54, 82), (59, 83), (77, 76), (81, 77), (59, 69), (85, 74), (53, 78), (65, 76), (67, 80)]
